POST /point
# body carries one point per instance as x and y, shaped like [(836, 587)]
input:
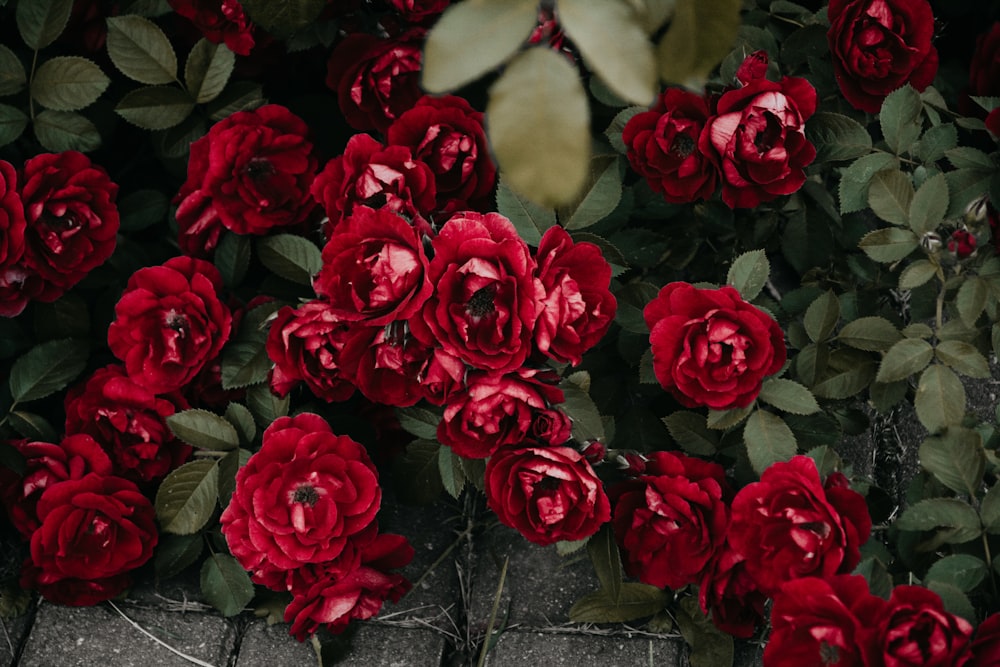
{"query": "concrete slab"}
[(515, 649)]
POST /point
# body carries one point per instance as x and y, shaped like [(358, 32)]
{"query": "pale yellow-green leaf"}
[(701, 33)]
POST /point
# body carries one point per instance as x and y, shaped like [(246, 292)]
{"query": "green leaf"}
[(229, 465), (900, 118), (710, 647), (40, 22), (855, 180), (971, 299), (232, 257), (768, 440), (240, 417), (821, 316), (936, 141), (155, 107), (634, 601), (244, 364), (872, 334), (848, 373), (647, 373), (225, 584), (417, 475), (32, 426), (68, 83), (419, 421), (140, 50), (600, 195), (47, 368), (603, 551), (904, 358), (186, 498), (530, 220), (66, 317), (282, 18), (632, 299), (963, 358), (452, 473), (142, 208), (929, 205), (61, 131), (204, 429), (582, 410), (538, 125), (207, 70), (491, 29), (940, 399), (565, 548), (890, 196), (175, 553), (699, 36), (748, 273), (879, 579), (966, 157), (690, 430), (837, 137), (955, 515), (955, 601), (889, 244), (723, 419), (617, 126), (292, 257), (12, 74), (956, 458), (990, 510), (827, 460), (237, 96), (264, 405), (917, 274), (12, 123), (964, 186), (614, 45), (788, 396)]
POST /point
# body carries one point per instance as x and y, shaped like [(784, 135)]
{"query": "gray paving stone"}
[(13, 631), (515, 649)]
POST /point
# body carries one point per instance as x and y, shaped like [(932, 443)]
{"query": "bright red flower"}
[(219, 21), (916, 631), (731, 595)]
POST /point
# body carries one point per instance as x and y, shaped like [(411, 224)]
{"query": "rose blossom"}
[(219, 22), (169, 323), (252, 171), (578, 307), (731, 595), (496, 410), (710, 347), (984, 71), (447, 134), (382, 177), (790, 525), (299, 498), (986, 645), (663, 147), (93, 531), (418, 10), (879, 46), (547, 494), (914, 630), (305, 343), (374, 268), (376, 79), (441, 376), (486, 298), (757, 140), (12, 226), (384, 363), (672, 520), (71, 218)]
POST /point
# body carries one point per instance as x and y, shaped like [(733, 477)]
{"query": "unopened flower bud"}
[(634, 464), (931, 242), (962, 244), (594, 452)]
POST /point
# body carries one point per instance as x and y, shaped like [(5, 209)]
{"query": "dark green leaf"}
[(837, 137), (142, 208), (723, 419), (229, 465), (955, 601), (971, 299), (207, 70), (604, 555), (966, 157), (68, 83), (140, 50), (962, 571), (242, 420), (530, 219), (768, 440), (827, 460), (40, 22), (282, 18), (950, 513), (617, 126), (890, 195), (815, 430), (232, 257), (929, 205), (225, 584), (33, 427), (821, 316), (936, 141), (690, 430), (917, 274), (186, 498), (788, 396), (748, 273), (68, 316), (699, 36), (632, 299), (900, 118), (417, 475), (887, 395), (244, 364), (873, 334), (963, 358), (580, 408), (905, 358), (990, 510), (47, 368), (175, 553), (634, 601), (889, 245), (265, 405), (12, 74), (155, 107), (847, 374), (452, 473), (710, 647), (419, 421), (940, 399), (965, 186), (204, 429), (292, 257), (956, 458), (237, 96), (12, 123), (855, 180), (879, 579), (647, 373), (66, 131), (601, 193)]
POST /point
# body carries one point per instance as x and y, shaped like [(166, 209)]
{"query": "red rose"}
[(441, 376), (916, 631), (374, 268), (961, 243), (130, 423), (710, 347), (376, 79), (12, 226), (299, 498), (823, 622), (46, 465), (757, 140), (219, 22), (384, 364), (305, 343), (377, 176), (879, 46), (671, 521), (731, 594), (94, 531), (170, 323), (486, 299), (578, 307), (447, 134), (418, 10), (72, 220), (497, 410), (255, 167), (199, 225), (14, 285), (547, 494), (984, 71), (789, 525), (986, 646), (663, 147)]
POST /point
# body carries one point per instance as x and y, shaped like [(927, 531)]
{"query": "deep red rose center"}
[(829, 654), (769, 135), (682, 145), (259, 169), (481, 303), (176, 321), (306, 493)]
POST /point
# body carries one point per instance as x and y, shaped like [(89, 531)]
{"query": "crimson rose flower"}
[(984, 72), (578, 307), (305, 343), (879, 46), (547, 494), (418, 10), (376, 79), (486, 299), (12, 226), (447, 134), (252, 171), (671, 521), (914, 630), (731, 594), (710, 347), (986, 645), (71, 217), (299, 498), (93, 531), (374, 268), (961, 243), (441, 376), (169, 323), (790, 525), (663, 147), (384, 364), (757, 140), (219, 22), (497, 410), (378, 176), (130, 423)]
